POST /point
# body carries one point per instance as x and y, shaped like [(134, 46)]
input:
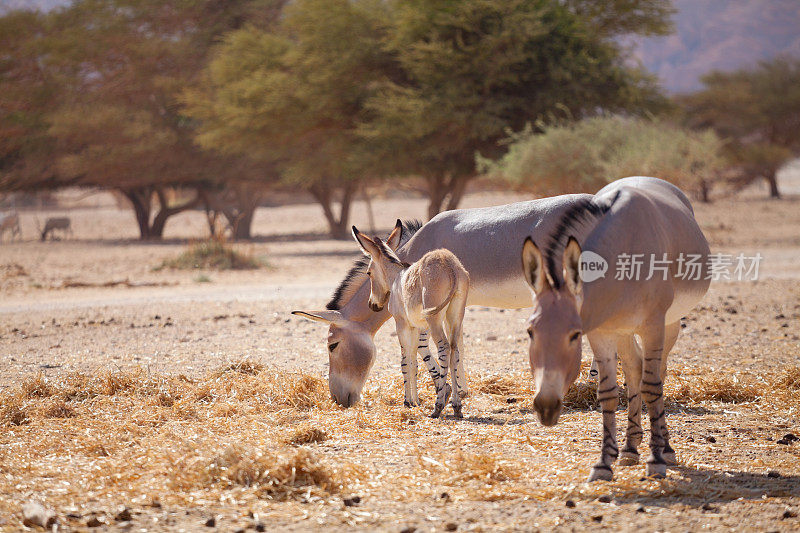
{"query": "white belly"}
[(512, 293)]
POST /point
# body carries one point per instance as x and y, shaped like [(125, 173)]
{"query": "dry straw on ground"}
[(252, 433)]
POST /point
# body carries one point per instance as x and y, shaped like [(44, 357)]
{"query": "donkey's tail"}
[(431, 311)]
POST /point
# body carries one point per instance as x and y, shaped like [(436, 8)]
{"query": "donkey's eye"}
[(369, 273), (530, 333), (332, 346), (575, 336)]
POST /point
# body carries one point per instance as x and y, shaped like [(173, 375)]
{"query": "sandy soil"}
[(191, 322)]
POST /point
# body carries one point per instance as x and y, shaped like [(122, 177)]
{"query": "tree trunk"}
[(772, 179), (705, 190), (370, 213), (436, 193), (240, 221), (445, 192), (140, 199), (165, 211), (240, 215), (323, 194)]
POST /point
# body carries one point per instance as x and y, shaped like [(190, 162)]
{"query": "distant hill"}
[(710, 35), (43, 5), (720, 35)]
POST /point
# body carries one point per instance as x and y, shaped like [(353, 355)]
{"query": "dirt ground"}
[(733, 393)]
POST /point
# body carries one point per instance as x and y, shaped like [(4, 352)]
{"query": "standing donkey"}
[(430, 294), (630, 219)]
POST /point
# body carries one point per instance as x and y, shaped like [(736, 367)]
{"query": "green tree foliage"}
[(470, 70), (758, 110), (294, 96), (620, 17), (586, 155)]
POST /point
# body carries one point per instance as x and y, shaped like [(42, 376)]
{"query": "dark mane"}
[(358, 270), (584, 212)]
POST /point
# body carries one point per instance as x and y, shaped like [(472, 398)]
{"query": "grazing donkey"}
[(10, 223), (485, 240), (56, 223), (629, 217), (430, 294)]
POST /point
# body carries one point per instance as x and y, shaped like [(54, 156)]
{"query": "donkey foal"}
[(430, 294)]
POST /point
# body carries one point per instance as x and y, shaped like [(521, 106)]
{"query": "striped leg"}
[(653, 394), (593, 372), (408, 338), (461, 374), (455, 364), (431, 363), (670, 337), (443, 349), (604, 347), (455, 320), (631, 361)]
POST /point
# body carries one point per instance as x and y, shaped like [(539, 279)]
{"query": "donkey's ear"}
[(393, 240), (533, 266), (572, 266), (329, 317), (367, 245)]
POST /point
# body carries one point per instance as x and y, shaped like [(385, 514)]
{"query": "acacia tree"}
[(293, 96), (122, 65), (758, 110), (471, 70), (27, 95)]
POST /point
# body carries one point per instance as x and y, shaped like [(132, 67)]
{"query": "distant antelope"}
[(430, 294), (10, 223), (56, 223)]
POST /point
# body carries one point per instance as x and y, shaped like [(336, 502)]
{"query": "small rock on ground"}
[(36, 514)]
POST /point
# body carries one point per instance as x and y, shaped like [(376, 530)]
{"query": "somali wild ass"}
[(429, 295), (10, 222), (635, 316), (52, 224), (485, 240)]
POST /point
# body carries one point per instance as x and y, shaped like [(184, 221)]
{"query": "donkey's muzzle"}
[(548, 409), (375, 307)]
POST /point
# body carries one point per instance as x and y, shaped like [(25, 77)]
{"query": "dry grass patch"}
[(249, 368), (790, 380), (307, 434), (278, 476), (57, 409), (12, 413), (720, 387), (241, 434), (504, 385), (484, 467)]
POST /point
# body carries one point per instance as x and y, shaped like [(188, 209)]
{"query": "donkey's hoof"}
[(628, 458), (437, 411), (457, 411), (669, 458), (656, 470), (601, 472), (407, 403), (443, 396)]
